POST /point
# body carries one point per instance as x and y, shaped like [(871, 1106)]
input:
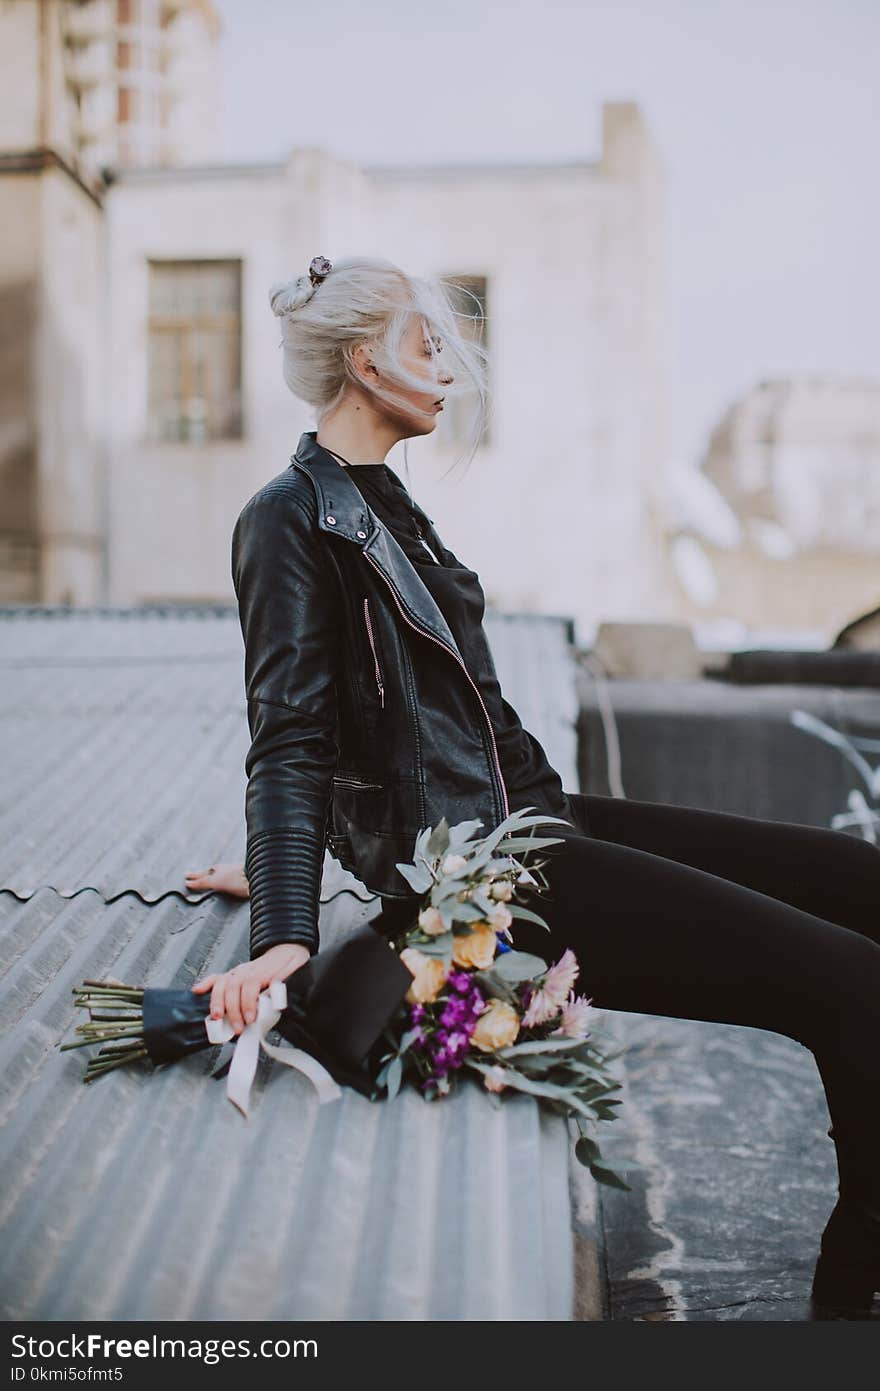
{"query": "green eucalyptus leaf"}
[(418, 878), (602, 1174), (520, 1082), (477, 861), (519, 912), (467, 913), (491, 984), (519, 843), (460, 835), (394, 1077), (482, 899), (586, 1150), (517, 966), (539, 1045), (438, 842), (441, 946)]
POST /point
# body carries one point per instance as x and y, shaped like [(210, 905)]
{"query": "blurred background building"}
[(140, 367)]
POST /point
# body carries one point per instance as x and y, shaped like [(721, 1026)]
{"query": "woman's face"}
[(419, 408)]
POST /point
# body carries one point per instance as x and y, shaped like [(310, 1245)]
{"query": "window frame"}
[(228, 323)]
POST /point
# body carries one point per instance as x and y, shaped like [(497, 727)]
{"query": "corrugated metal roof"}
[(147, 1195), (124, 737)]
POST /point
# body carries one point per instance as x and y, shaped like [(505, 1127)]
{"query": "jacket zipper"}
[(375, 654), (473, 684)]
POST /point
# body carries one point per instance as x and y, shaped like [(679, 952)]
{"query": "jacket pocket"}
[(354, 780), (376, 664)]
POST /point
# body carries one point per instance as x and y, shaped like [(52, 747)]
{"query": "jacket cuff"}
[(284, 868)]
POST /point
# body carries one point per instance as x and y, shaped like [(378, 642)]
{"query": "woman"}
[(374, 709)]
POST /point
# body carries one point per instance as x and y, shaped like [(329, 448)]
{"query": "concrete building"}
[(63, 118), (110, 83), (796, 467)]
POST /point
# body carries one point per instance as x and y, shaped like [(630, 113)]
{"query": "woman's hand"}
[(235, 993)]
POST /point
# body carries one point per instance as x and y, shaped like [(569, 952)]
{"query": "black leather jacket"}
[(365, 724)]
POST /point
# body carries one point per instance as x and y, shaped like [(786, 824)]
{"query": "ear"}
[(362, 360)]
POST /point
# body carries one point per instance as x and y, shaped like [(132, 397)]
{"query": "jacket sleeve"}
[(287, 608)]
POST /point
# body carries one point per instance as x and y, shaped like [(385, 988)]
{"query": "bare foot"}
[(221, 879)]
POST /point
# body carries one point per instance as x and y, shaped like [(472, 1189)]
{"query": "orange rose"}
[(476, 948), (496, 1027), (429, 976)]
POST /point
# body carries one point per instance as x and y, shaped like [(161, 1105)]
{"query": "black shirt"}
[(528, 776)]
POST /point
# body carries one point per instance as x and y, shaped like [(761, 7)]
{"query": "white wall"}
[(173, 505)]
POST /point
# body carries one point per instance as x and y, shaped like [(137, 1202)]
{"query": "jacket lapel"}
[(343, 511)]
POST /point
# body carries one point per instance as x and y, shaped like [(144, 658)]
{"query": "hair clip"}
[(319, 269)]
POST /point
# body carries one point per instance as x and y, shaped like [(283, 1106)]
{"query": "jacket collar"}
[(343, 512)]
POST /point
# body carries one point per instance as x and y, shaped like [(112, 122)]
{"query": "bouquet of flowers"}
[(450, 999), (478, 1006)]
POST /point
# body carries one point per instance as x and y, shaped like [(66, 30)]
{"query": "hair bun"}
[(287, 295)]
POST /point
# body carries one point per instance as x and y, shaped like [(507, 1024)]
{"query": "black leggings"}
[(732, 919)]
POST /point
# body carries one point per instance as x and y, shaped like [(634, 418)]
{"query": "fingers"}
[(218, 997), (236, 993), (250, 993), (232, 998)]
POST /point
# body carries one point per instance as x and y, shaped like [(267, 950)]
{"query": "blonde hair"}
[(370, 300)]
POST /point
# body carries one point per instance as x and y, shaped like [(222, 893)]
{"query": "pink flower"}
[(575, 1017), (500, 917), (431, 922), (560, 979), (493, 1080), (451, 864), (541, 1008)]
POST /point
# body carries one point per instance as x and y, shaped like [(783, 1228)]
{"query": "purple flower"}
[(454, 1012), (417, 1014), (457, 1042), (459, 981), (475, 1003)]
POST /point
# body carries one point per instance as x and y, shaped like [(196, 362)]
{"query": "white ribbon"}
[(253, 1037)]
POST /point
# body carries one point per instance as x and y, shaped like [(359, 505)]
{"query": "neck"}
[(358, 432)]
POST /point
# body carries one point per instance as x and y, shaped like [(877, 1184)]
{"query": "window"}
[(194, 361), (469, 295), (126, 105)]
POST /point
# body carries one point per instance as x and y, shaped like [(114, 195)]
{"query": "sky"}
[(766, 114)]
